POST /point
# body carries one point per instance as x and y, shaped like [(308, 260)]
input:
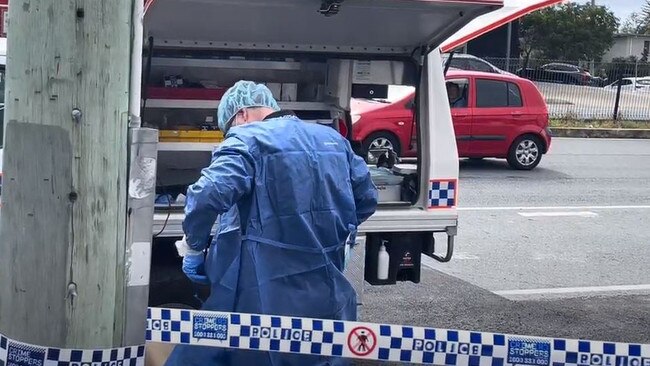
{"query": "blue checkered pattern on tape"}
[(383, 342), (442, 193), (14, 353), (338, 339)]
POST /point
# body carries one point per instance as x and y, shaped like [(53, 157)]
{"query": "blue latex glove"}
[(194, 268)]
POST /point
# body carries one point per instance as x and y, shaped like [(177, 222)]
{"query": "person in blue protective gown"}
[(289, 195)]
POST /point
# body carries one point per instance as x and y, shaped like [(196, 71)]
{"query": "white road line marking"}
[(573, 291), (426, 262), (464, 256), (431, 263), (541, 208), (559, 214)]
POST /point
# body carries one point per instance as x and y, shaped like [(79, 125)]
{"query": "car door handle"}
[(517, 114)]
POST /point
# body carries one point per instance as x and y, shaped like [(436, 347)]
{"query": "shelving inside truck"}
[(184, 86), (183, 91)]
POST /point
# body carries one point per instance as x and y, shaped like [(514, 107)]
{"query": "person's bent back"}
[(290, 195), (304, 197)]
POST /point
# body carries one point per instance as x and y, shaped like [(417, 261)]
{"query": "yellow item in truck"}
[(190, 136)]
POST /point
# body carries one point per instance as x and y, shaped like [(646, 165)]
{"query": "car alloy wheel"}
[(381, 143), (527, 152)]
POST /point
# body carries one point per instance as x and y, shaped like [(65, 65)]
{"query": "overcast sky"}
[(622, 8)]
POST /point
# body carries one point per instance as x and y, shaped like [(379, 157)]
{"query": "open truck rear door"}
[(359, 27), (330, 51), (512, 10)]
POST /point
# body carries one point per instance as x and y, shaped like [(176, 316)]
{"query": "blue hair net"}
[(244, 94)]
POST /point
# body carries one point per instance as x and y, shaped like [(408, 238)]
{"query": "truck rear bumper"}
[(168, 225)]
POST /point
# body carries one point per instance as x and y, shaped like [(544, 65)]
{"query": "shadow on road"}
[(477, 169)]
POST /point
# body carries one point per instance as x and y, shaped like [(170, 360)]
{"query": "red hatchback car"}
[(494, 115)]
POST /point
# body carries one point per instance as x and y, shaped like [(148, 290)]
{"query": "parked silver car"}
[(631, 85), (464, 61)]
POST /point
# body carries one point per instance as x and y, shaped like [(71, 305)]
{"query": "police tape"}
[(416, 345), (14, 353), (331, 338)]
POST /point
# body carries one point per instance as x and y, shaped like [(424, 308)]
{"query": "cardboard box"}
[(311, 92), (389, 193), (276, 89), (289, 92)]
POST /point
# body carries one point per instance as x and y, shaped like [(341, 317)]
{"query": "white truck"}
[(315, 55)]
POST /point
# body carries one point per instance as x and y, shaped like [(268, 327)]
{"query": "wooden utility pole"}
[(63, 233)]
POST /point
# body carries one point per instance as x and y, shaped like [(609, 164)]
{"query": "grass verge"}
[(599, 124)]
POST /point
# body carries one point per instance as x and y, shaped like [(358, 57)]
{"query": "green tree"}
[(532, 33), (570, 32), (636, 23), (645, 25)]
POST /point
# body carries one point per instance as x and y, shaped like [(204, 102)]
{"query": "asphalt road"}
[(561, 251)]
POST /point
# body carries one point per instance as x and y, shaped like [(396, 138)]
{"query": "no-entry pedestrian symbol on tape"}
[(362, 341)]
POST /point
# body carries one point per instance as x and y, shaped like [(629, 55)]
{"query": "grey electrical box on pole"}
[(142, 192), (68, 269)]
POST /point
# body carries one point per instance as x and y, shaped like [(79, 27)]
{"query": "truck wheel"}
[(525, 153), (382, 140)]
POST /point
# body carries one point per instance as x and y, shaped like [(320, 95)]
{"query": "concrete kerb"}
[(624, 133)]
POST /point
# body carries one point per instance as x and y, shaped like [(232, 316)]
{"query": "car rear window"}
[(495, 94), (514, 95), (477, 65), (460, 63)]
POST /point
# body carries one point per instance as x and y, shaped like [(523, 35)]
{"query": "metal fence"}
[(570, 95)]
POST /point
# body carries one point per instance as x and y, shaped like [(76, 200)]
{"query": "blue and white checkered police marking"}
[(443, 193), (383, 342), (13, 353)]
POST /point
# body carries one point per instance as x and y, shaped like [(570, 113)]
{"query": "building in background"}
[(626, 45), (495, 44)]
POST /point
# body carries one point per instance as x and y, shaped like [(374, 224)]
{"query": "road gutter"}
[(623, 133)]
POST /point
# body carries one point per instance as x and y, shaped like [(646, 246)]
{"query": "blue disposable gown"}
[(289, 193)]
